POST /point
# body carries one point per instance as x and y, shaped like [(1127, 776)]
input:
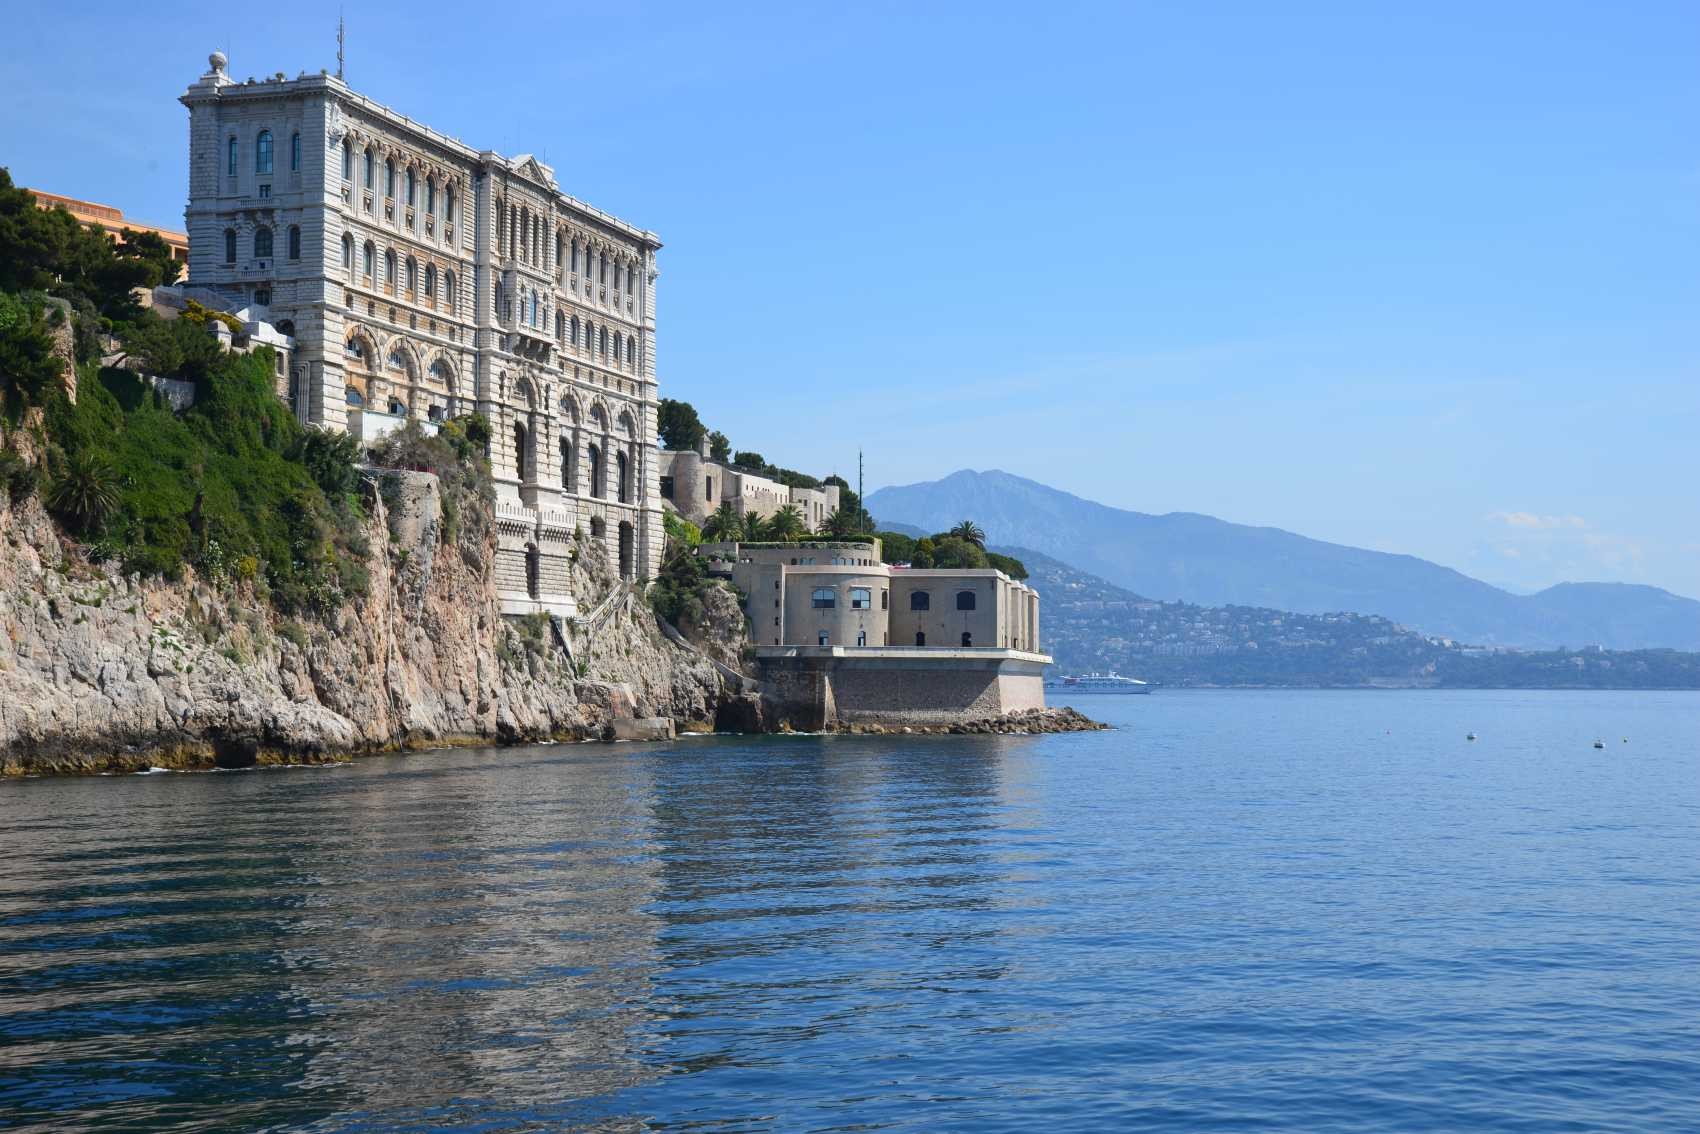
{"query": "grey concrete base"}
[(815, 687)]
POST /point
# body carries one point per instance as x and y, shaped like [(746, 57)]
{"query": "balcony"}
[(370, 426)]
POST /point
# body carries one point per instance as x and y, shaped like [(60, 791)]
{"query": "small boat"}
[(1099, 683), (1469, 736), (1599, 744)]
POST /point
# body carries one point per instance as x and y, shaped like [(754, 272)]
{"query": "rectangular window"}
[(265, 190), (232, 161), (861, 598), (885, 600), (824, 598), (823, 638)]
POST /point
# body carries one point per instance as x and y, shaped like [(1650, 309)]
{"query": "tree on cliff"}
[(680, 428), (724, 523), (787, 525), (719, 447)]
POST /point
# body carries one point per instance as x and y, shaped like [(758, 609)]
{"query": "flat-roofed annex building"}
[(422, 279), (842, 635), (113, 221)]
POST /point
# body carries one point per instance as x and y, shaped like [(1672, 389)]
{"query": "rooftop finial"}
[(218, 61)]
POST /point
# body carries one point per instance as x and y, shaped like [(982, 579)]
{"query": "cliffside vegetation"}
[(962, 547), (232, 486)]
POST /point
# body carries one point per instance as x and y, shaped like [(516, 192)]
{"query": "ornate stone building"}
[(422, 279)]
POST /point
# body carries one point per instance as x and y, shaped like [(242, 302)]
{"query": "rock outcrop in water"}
[(100, 671)]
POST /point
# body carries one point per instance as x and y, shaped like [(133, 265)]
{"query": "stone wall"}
[(815, 689)]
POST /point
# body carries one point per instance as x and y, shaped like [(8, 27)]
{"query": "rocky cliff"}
[(105, 672)]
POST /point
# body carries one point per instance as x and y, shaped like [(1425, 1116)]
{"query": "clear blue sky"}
[(1422, 278)]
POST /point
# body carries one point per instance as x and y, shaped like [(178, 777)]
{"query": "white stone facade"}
[(423, 279)]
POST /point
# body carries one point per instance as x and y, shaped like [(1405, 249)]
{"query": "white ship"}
[(1099, 683)]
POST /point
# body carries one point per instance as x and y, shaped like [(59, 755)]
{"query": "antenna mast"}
[(339, 45), (859, 476)]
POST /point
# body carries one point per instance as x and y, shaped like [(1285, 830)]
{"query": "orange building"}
[(113, 221)]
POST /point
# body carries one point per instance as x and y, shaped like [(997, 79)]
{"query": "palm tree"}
[(970, 531), (754, 530), (85, 493), (840, 524), (787, 525), (724, 523)]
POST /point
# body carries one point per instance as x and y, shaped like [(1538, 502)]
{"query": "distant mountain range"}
[(1200, 559), (1089, 624)]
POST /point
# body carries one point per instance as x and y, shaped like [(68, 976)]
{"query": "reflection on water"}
[(1295, 911)]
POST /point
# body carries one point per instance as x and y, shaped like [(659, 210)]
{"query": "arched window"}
[(430, 281), (602, 341), (573, 326), (965, 601), (295, 242), (370, 260), (449, 288), (230, 246), (352, 396), (397, 409), (602, 268), (230, 163), (574, 255), (389, 267), (449, 203), (410, 186), (823, 598), (347, 160), (622, 482), (295, 151), (262, 243), (263, 152), (430, 195), (569, 469), (389, 177), (412, 274), (631, 351), (347, 252), (920, 600), (369, 167), (560, 324), (496, 295), (595, 456), (519, 450), (967, 640), (618, 342)]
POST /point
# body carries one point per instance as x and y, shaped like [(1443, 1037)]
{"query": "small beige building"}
[(695, 486), (846, 636)]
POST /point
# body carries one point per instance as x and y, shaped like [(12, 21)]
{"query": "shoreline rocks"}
[(1026, 722)]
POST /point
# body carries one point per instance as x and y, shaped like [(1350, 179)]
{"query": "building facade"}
[(842, 637), (696, 486), (840, 593), (422, 279)]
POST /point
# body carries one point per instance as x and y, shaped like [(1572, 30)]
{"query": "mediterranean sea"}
[(1241, 910)]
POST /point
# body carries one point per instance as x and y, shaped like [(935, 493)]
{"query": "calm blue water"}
[(1245, 910)]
